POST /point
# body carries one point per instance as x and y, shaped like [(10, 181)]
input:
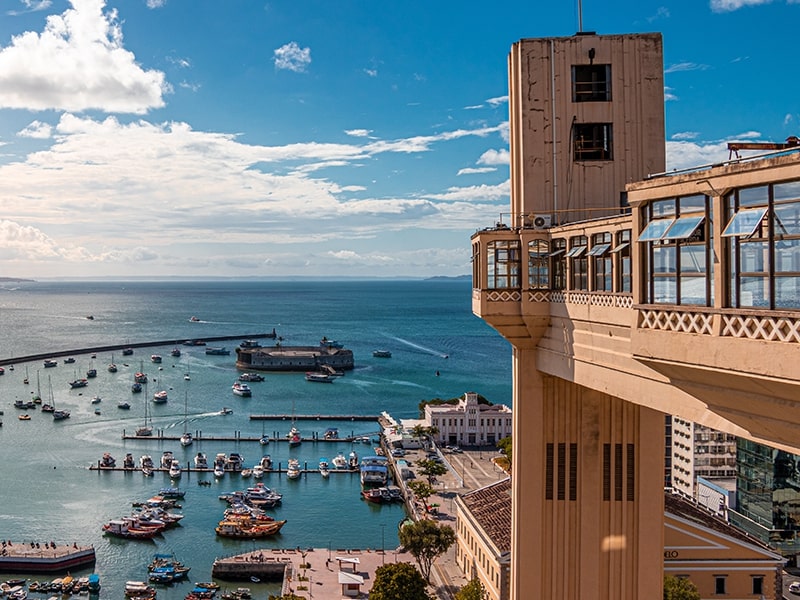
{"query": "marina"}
[(69, 499)]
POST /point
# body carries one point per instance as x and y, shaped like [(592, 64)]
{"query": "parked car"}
[(398, 452), (794, 587)]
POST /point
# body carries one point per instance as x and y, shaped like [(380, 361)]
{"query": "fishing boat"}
[(239, 529), (324, 467), (124, 529), (139, 589), (241, 389)]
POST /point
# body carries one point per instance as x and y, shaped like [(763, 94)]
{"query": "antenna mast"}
[(580, 16)]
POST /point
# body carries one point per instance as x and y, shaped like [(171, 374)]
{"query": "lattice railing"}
[(503, 295), (672, 320), (751, 327)]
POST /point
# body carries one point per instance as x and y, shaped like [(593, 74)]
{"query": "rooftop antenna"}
[(580, 16)]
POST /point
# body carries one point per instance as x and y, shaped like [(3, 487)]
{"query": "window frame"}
[(592, 141)]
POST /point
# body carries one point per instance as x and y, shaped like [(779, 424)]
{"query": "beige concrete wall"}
[(544, 176), (614, 543)]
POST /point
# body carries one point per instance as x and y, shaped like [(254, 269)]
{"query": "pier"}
[(44, 557), (191, 469), (119, 347)]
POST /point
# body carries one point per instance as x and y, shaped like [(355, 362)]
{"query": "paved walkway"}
[(467, 471)]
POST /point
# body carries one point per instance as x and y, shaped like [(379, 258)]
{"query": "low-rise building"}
[(699, 544), (469, 423)]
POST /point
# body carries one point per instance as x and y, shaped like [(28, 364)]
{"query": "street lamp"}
[(383, 541)]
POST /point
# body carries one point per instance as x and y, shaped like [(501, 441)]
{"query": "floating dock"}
[(44, 557)]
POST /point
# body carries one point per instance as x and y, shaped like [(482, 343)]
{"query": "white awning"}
[(346, 578)]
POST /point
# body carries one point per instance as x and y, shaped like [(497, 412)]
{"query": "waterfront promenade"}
[(321, 572)]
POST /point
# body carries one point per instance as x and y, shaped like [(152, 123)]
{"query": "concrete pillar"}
[(587, 492)]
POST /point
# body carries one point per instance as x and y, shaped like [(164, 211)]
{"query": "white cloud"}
[(156, 3), (684, 135), (668, 95), (787, 120), (495, 157), (37, 130), (685, 66), (292, 57), (211, 187), (498, 100), (371, 72), (476, 170), (77, 63), (30, 6), (358, 132), (731, 5), (662, 12)]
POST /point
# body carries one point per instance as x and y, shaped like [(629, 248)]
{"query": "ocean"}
[(439, 350)]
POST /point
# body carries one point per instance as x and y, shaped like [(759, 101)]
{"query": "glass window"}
[(719, 584), (744, 222), (539, 264), (578, 263), (623, 257), (655, 230), (683, 228), (558, 263), (503, 264), (599, 249)]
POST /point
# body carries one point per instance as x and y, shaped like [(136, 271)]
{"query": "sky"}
[(319, 138)]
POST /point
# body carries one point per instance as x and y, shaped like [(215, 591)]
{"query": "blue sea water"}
[(439, 350)]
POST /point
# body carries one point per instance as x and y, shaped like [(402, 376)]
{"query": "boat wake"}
[(421, 348)]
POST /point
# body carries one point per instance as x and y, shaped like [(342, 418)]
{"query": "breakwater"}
[(116, 347)]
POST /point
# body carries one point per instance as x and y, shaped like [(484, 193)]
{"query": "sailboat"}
[(37, 397), (58, 415), (264, 440), (26, 381), (294, 433), (186, 438), (112, 368), (146, 429)]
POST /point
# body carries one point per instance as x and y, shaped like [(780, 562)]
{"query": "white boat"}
[(96, 400), (374, 471), (160, 397), (266, 462), (175, 469), (324, 467), (246, 473), (156, 358), (166, 459), (146, 461), (339, 461), (258, 471), (293, 469), (186, 438), (200, 461), (219, 470), (318, 377), (352, 460), (382, 354), (226, 411), (219, 464), (241, 389)]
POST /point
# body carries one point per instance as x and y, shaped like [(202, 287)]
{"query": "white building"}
[(469, 423)]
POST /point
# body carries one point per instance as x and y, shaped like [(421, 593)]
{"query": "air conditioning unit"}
[(542, 221)]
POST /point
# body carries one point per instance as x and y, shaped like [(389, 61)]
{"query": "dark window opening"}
[(592, 141), (591, 83)]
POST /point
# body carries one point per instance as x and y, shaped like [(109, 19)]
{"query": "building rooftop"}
[(679, 506), (490, 506)]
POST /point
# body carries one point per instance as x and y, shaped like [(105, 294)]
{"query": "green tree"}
[(506, 447), (398, 581), (421, 490), (431, 469), (679, 588), (426, 540), (474, 590)]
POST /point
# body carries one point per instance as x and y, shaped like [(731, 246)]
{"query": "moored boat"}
[(160, 397), (293, 469), (241, 389), (382, 354), (78, 383), (200, 461), (324, 467), (318, 377)]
